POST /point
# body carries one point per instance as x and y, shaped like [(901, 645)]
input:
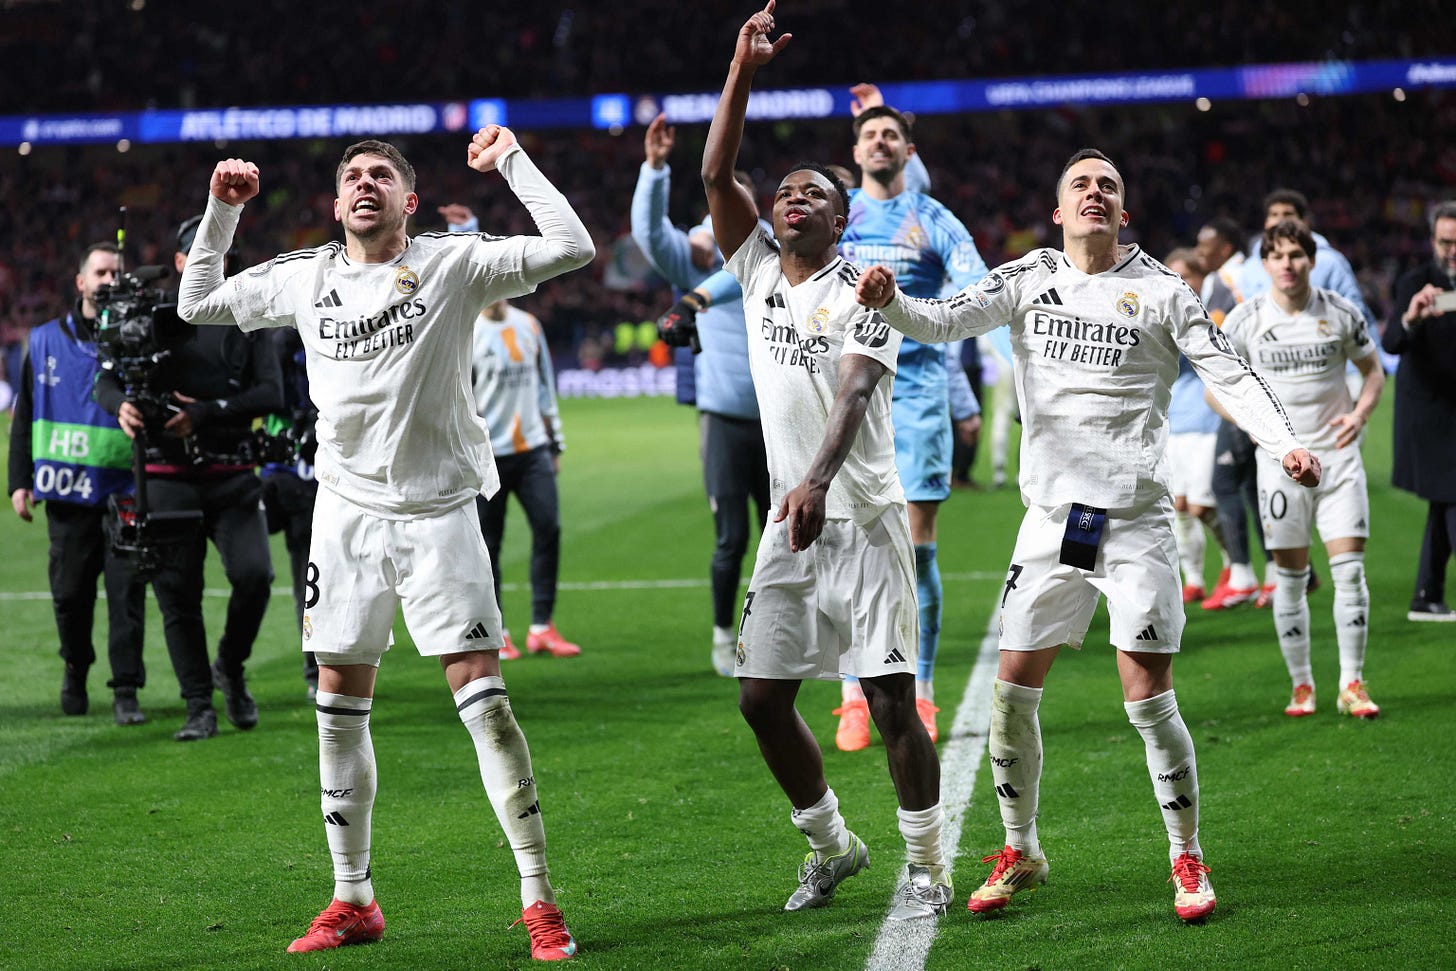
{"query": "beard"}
[(385, 226)]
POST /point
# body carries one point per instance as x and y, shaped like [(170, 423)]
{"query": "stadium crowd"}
[(1367, 164), (113, 55)]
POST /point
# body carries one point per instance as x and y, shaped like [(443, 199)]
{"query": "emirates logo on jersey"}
[(406, 281)]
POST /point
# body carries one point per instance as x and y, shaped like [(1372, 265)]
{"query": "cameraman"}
[(289, 488), (199, 445), (67, 453)]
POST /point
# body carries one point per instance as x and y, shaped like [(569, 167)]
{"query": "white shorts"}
[(846, 605), (1190, 461), (1047, 603), (362, 569), (1339, 507)]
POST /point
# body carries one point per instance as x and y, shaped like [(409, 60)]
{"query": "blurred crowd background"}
[(1371, 164)]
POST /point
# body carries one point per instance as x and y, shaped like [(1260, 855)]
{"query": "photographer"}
[(200, 456), (289, 487), (67, 453)]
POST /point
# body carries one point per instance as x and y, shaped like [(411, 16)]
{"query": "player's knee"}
[(892, 704), (761, 706), (1347, 570)]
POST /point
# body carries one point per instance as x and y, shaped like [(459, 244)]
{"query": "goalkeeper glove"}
[(679, 326)]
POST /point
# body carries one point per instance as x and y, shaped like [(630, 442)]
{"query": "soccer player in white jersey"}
[(515, 392), (1299, 338), (833, 588), (1096, 332), (387, 321)]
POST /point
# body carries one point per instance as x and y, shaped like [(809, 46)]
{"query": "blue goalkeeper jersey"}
[(924, 244)]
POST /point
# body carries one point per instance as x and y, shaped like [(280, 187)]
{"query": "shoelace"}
[(1188, 871), (546, 927), (815, 869), (1004, 860), (331, 919)]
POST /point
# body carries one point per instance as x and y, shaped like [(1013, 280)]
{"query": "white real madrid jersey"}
[(514, 385), (796, 336), (388, 357), (1303, 355), (1095, 361)]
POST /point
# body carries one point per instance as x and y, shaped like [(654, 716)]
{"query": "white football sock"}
[(505, 769), (1014, 748), (1172, 768), (1241, 576), (822, 825), (921, 829), (849, 690), (1291, 622), (1352, 610), (347, 784), (925, 691)]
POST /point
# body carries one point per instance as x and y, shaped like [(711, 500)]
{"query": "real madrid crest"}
[(307, 627), (406, 281), (1323, 328), (819, 321), (1128, 305)]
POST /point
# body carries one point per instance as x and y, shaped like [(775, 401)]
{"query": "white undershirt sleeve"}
[(200, 296), (564, 243)]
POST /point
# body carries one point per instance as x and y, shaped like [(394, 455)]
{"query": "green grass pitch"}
[(1331, 841)]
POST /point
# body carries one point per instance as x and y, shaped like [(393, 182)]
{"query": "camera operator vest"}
[(80, 454)]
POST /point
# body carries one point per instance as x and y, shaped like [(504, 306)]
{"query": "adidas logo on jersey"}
[(330, 301), (1148, 634), (1050, 297), (477, 632), (895, 657)]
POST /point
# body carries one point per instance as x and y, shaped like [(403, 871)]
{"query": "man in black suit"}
[(1422, 330)]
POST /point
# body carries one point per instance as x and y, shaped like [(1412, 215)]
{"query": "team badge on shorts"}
[(307, 627), (406, 281), (1128, 305), (742, 654), (819, 321)]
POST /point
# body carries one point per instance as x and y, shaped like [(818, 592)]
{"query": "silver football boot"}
[(919, 896), (818, 879)]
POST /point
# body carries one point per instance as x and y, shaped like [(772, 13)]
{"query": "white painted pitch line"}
[(7, 596), (903, 945)]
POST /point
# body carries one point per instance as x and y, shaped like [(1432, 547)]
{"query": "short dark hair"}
[(835, 181), (1292, 197), (95, 248), (1080, 155), (1227, 230), (1185, 254), (1291, 229), (373, 146), (882, 111), (1442, 210)]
